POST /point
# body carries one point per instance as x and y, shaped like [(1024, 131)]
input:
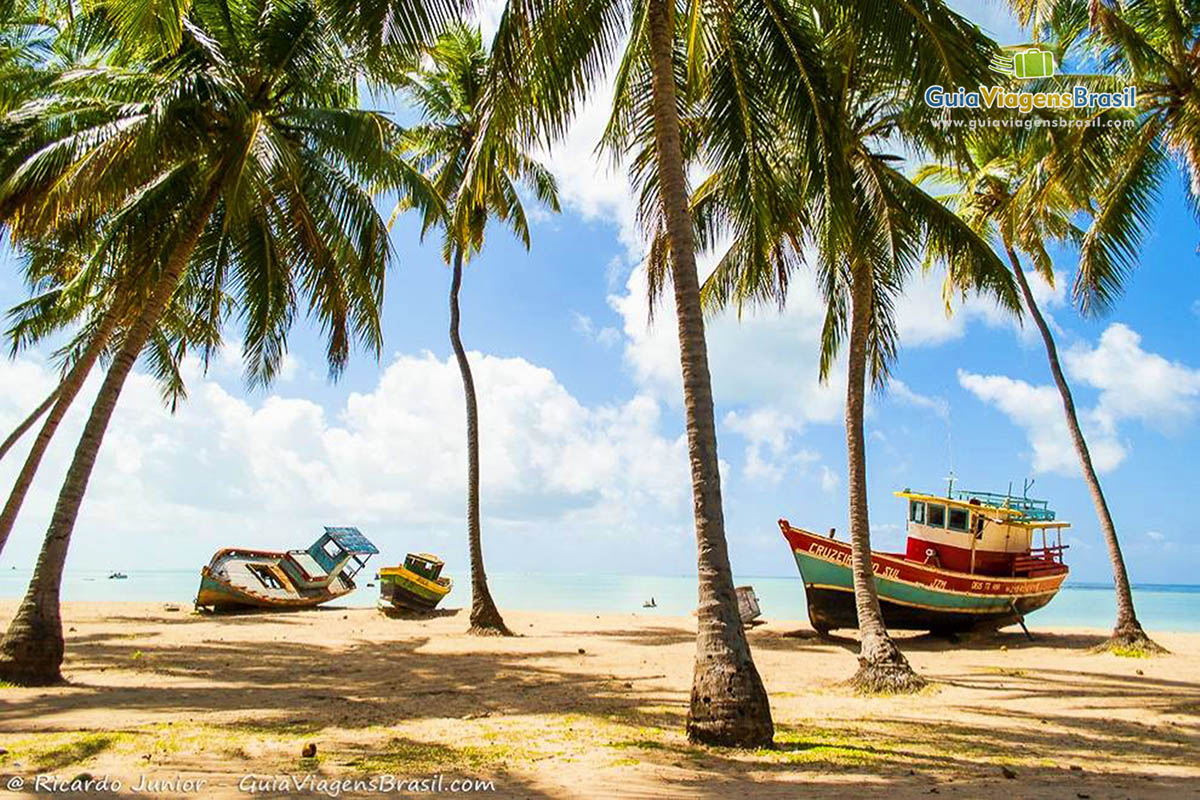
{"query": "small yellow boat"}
[(416, 586)]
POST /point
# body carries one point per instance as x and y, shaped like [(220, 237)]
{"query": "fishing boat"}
[(416, 586), (970, 563), (238, 579)]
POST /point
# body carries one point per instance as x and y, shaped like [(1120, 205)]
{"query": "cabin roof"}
[(351, 540), (1029, 513), (432, 559)]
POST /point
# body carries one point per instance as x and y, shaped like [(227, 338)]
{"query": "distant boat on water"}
[(970, 562), (238, 579), (416, 586), (117, 576)]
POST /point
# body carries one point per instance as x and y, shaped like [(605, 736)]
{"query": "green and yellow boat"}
[(416, 586)]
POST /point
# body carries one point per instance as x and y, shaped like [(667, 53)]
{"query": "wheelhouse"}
[(423, 564), (339, 551), (983, 533)]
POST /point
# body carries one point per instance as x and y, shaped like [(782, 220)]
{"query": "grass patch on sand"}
[(54, 751), (406, 756), (1130, 652)]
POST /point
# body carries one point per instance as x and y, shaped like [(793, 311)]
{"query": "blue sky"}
[(584, 465)]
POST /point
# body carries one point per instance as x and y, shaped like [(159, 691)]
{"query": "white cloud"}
[(606, 336), (226, 470), (899, 391), (770, 452), (1133, 383), (922, 318), (1038, 409), (829, 480), (767, 359)]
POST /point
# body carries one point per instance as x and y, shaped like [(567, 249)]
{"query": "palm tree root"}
[(883, 669), (1129, 640), (31, 653), (729, 707), (486, 621)]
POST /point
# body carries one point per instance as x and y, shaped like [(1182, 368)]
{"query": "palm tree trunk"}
[(882, 667), (485, 617), (1128, 633), (31, 653), (65, 393), (27, 423), (729, 704)]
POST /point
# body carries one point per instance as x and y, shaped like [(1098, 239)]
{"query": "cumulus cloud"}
[(226, 470), (1038, 410), (1133, 384), (922, 318), (606, 336), (900, 392)]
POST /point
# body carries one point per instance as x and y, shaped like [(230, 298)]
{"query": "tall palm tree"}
[(868, 225), (548, 56), (476, 166), (188, 323), (1091, 189), (241, 155)]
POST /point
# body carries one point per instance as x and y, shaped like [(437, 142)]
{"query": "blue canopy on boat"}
[(351, 540)]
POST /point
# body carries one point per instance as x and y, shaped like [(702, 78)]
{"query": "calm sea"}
[(1160, 607)]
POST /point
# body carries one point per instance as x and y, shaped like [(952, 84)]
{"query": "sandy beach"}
[(172, 703)]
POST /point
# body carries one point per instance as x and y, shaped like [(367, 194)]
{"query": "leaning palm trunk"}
[(485, 617), (31, 653), (882, 667), (27, 423), (729, 705), (66, 393), (1128, 633)]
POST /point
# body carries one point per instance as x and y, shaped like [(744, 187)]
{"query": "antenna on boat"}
[(949, 451), (1028, 485)]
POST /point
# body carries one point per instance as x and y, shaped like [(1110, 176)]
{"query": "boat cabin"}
[(339, 551), (983, 533), (426, 565)]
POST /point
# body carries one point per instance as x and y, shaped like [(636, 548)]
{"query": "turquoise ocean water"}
[(1160, 607)]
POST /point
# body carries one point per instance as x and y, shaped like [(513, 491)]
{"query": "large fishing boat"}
[(973, 560), (238, 579)]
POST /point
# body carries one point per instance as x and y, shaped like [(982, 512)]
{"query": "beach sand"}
[(584, 705)]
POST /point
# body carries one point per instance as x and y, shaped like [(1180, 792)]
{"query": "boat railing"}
[(1052, 553), (1036, 510)]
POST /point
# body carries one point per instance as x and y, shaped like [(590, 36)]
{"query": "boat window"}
[(916, 511), (935, 516), (332, 549), (958, 519), (265, 576)]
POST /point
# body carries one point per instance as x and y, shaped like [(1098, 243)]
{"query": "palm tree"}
[(1152, 45), (188, 323), (1026, 191), (476, 167), (240, 156), (868, 224), (547, 57)]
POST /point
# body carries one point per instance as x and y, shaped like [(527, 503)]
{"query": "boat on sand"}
[(972, 561), (417, 586), (240, 579)]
